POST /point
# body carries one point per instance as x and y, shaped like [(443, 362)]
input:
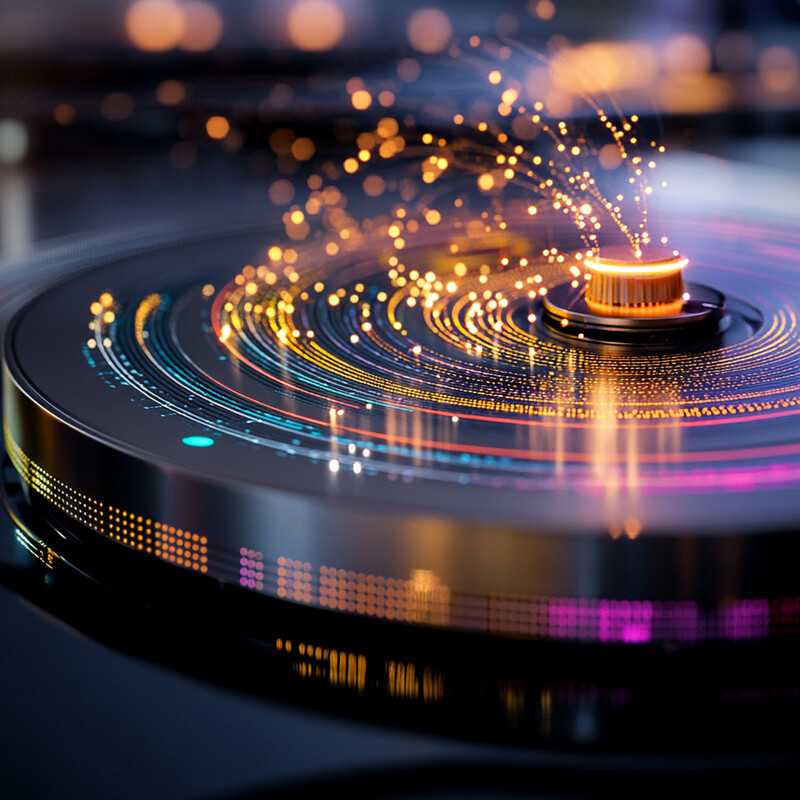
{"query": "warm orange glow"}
[(217, 127), (686, 53), (694, 93), (170, 92), (544, 9), (202, 26), (280, 141), (509, 97), (779, 69), (64, 114), (433, 217), (408, 70), (630, 288), (609, 156), (429, 30), (303, 149), (315, 25), (634, 269), (602, 67), (281, 192), (361, 99), (155, 25), (374, 186), (656, 310), (387, 128)]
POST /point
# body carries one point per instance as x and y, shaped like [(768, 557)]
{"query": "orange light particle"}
[(429, 30), (64, 114), (303, 149), (315, 25), (202, 27), (433, 217), (170, 92), (361, 100), (155, 25), (217, 127)]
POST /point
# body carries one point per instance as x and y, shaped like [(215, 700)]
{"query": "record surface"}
[(310, 432)]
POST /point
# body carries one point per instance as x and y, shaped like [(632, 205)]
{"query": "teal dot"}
[(198, 441)]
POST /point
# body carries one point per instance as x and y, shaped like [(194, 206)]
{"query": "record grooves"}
[(508, 525)]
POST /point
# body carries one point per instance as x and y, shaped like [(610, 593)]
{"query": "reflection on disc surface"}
[(402, 439)]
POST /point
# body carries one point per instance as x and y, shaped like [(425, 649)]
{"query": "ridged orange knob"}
[(633, 288)]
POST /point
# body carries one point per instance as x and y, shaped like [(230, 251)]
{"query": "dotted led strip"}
[(135, 531), (421, 598)]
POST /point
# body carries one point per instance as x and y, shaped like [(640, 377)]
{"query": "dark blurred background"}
[(105, 104)]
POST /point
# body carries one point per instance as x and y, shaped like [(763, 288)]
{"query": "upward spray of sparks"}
[(507, 136)]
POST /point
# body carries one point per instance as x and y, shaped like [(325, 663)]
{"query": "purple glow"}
[(632, 622)]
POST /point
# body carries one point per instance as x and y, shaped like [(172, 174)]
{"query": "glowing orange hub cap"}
[(635, 288)]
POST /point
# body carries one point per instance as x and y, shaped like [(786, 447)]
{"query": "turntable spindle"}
[(635, 288)]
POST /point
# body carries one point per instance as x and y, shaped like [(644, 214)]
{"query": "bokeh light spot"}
[(408, 70), (374, 186), (303, 149), (686, 53), (170, 92), (155, 25), (281, 192), (315, 25), (361, 99), (64, 114), (544, 9), (778, 69), (202, 26), (217, 127), (429, 30), (609, 156)]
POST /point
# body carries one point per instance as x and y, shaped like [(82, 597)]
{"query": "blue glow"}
[(198, 441)]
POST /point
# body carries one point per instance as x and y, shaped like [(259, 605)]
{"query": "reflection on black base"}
[(703, 318), (612, 699)]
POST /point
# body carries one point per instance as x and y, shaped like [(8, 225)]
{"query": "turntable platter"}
[(198, 405)]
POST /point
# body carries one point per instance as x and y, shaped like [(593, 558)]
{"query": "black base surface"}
[(615, 705), (702, 318)]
